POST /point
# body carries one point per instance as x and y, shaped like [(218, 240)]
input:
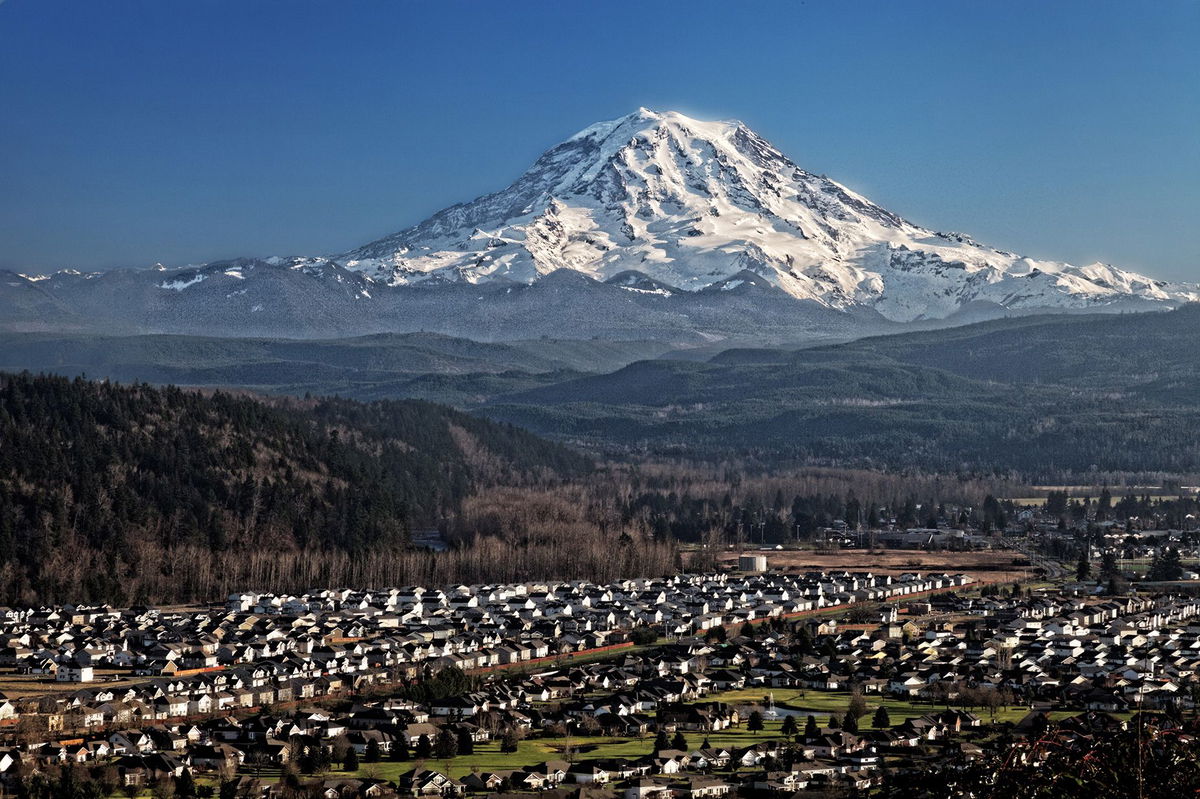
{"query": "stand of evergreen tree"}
[(127, 494), (811, 730), (446, 745), (424, 748), (1166, 566)]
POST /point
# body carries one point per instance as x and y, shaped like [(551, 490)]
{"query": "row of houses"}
[(344, 632), (1092, 655)]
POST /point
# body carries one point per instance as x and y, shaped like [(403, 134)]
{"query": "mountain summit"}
[(691, 205), (653, 227)]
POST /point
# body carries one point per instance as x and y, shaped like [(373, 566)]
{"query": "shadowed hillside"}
[(133, 492), (1035, 394)]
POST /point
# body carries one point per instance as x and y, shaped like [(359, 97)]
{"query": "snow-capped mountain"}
[(691, 205), (652, 227)]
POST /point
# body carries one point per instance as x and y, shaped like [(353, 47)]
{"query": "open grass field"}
[(985, 566), (823, 703), (488, 757)]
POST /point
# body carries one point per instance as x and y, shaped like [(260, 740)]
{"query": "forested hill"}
[(1145, 352), (1042, 395), (107, 491)]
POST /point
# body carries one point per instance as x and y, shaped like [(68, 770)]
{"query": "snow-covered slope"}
[(653, 227), (691, 205)]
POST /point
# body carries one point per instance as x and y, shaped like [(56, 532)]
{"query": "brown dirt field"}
[(21, 686), (986, 566)]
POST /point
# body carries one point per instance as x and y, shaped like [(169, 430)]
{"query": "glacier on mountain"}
[(689, 204)]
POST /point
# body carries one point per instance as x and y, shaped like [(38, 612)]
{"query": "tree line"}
[(134, 493)]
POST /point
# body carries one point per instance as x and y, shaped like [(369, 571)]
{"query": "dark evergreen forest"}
[(100, 483)]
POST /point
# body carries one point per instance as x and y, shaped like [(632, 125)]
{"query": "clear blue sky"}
[(173, 131)]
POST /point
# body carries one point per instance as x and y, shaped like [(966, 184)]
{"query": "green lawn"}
[(822, 703), (488, 757), (149, 792)]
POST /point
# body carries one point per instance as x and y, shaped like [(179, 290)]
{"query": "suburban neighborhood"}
[(694, 685)]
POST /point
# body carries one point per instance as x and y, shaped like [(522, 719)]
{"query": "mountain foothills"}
[(1043, 395), (133, 494), (126, 494), (133, 491), (421, 365), (651, 227)]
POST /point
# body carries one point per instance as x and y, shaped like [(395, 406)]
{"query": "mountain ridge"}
[(1051, 395)]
